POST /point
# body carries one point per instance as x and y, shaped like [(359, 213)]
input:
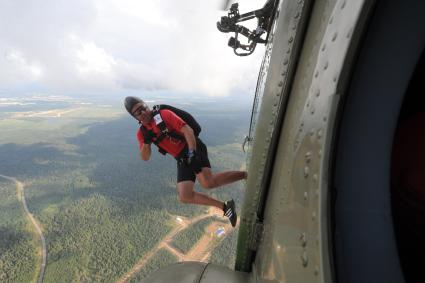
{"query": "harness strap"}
[(164, 131)]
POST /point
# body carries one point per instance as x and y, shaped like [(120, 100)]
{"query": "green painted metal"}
[(272, 90), (295, 244)]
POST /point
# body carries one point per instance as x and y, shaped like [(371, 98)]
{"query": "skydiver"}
[(189, 151)]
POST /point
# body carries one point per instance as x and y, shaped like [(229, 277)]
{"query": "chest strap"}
[(164, 131)]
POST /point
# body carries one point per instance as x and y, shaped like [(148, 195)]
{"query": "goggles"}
[(139, 110)]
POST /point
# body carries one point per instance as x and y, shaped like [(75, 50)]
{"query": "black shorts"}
[(184, 172)]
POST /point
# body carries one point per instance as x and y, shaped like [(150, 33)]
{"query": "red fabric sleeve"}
[(172, 121)]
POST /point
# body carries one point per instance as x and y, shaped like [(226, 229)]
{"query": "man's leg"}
[(188, 195), (210, 181)]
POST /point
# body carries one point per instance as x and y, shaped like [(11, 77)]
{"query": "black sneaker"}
[(230, 211)]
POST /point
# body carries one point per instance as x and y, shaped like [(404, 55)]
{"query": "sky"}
[(111, 47)]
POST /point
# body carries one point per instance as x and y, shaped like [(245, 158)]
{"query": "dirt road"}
[(164, 244), (21, 196)]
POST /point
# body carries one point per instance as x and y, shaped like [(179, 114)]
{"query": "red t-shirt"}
[(173, 123)]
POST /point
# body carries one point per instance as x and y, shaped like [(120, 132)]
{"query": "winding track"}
[(165, 243), (21, 196)]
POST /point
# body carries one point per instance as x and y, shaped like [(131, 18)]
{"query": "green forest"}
[(18, 261), (185, 240), (221, 255), (101, 208)]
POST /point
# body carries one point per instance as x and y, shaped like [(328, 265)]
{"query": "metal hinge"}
[(256, 235)]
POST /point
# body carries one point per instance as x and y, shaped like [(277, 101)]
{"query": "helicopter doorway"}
[(408, 178)]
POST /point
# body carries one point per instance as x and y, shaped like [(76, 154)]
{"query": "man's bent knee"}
[(186, 198), (185, 191), (207, 184)]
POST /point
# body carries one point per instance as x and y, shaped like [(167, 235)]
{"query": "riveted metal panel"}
[(295, 245), (275, 76)]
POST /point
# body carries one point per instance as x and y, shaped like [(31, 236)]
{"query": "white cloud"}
[(18, 67), (92, 59), (109, 45)]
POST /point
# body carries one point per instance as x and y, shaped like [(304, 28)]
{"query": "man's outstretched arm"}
[(145, 152), (189, 136)]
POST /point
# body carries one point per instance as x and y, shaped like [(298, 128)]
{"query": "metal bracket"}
[(230, 22)]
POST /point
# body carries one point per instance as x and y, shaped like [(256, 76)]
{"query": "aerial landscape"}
[(77, 203), (104, 214)]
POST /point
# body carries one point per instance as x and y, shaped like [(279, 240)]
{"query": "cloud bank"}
[(84, 46)]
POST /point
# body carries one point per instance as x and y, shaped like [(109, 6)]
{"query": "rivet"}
[(343, 5), (316, 74), (303, 239), (305, 196), (312, 110), (306, 171), (280, 84), (324, 47), (331, 20), (304, 259), (334, 36), (315, 178), (326, 65), (297, 15), (308, 156), (335, 78), (319, 153), (285, 61), (325, 118), (316, 270), (313, 216), (291, 39), (318, 93), (288, 51)]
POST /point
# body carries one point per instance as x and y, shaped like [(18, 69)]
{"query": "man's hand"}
[(147, 135), (193, 160), (145, 152)]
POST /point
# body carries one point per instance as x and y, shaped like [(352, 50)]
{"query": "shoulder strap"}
[(163, 128), (185, 116), (158, 119)]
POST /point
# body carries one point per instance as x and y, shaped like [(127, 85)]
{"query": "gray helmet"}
[(129, 103)]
